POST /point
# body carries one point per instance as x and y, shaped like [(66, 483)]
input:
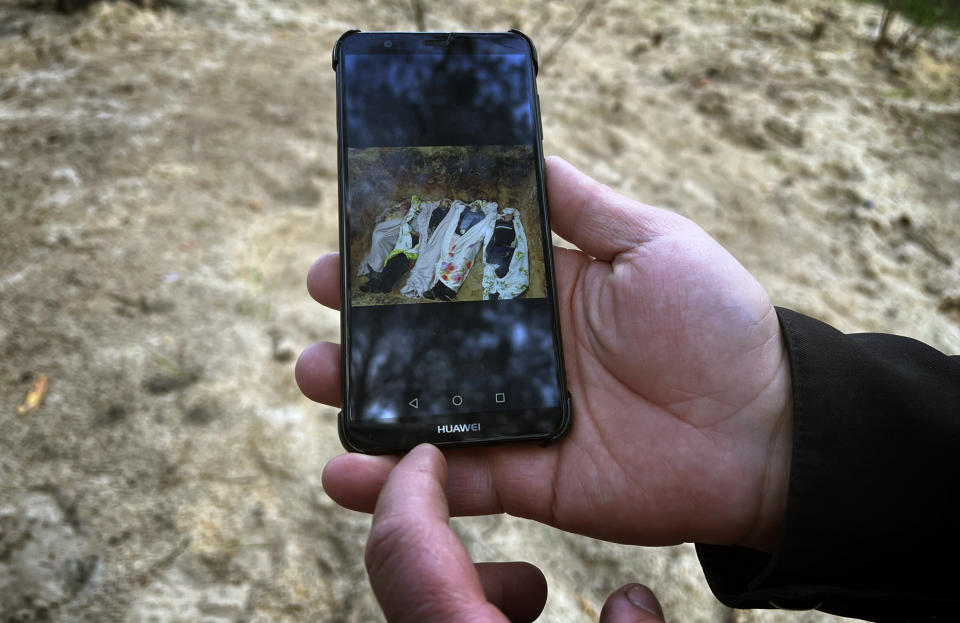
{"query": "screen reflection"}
[(438, 99), (492, 355)]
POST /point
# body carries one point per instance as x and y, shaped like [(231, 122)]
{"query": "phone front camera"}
[(388, 44)]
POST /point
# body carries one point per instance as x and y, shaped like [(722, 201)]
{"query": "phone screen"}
[(445, 251)]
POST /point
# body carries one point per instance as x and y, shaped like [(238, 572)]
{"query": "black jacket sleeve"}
[(870, 528)]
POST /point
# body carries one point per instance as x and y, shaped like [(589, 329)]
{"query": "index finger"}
[(418, 568)]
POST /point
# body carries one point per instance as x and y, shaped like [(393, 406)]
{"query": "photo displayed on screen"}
[(442, 224)]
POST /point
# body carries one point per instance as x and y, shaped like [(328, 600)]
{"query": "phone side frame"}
[(342, 244), (546, 235)]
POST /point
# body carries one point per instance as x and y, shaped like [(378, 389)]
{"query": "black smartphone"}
[(450, 329)]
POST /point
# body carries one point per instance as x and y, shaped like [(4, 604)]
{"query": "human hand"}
[(421, 572), (680, 383)]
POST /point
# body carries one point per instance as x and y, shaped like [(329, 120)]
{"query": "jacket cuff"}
[(875, 427)]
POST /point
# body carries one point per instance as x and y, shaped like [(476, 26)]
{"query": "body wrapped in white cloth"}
[(423, 274), (506, 270), (383, 238), (462, 244)]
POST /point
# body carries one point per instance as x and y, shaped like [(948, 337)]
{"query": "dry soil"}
[(167, 177)]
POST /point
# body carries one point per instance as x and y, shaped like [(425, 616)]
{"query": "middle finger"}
[(323, 280)]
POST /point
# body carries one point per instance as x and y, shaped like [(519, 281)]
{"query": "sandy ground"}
[(166, 178)]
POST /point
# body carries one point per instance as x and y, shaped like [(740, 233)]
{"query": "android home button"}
[(457, 400)]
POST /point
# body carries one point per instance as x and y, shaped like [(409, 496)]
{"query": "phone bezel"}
[(374, 437)]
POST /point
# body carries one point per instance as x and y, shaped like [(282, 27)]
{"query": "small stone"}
[(950, 303), (164, 382), (817, 32), (284, 352), (283, 349), (115, 413), (65, 175), (784, 131), (713, 103), (199, 414)]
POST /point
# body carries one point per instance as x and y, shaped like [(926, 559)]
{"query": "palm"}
[(679, 379), (673, 354)]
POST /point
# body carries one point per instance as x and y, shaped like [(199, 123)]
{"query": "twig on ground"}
[(419, 15), (568, 32)]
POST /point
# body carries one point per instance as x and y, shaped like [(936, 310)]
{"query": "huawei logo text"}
[(459, 428)]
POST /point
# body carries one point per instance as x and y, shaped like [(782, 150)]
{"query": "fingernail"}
[(641, 597)]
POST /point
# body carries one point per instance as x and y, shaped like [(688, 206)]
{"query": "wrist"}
[(774, 484)]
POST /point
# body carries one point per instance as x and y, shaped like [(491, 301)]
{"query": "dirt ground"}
[(167, 177)]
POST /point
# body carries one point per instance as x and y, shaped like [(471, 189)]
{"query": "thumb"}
[(596, 218), (633, 603)]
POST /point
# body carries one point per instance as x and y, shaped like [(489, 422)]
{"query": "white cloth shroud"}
[(422, 276), (460, 250), (405, 241), (517, 279), (382, 240)]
